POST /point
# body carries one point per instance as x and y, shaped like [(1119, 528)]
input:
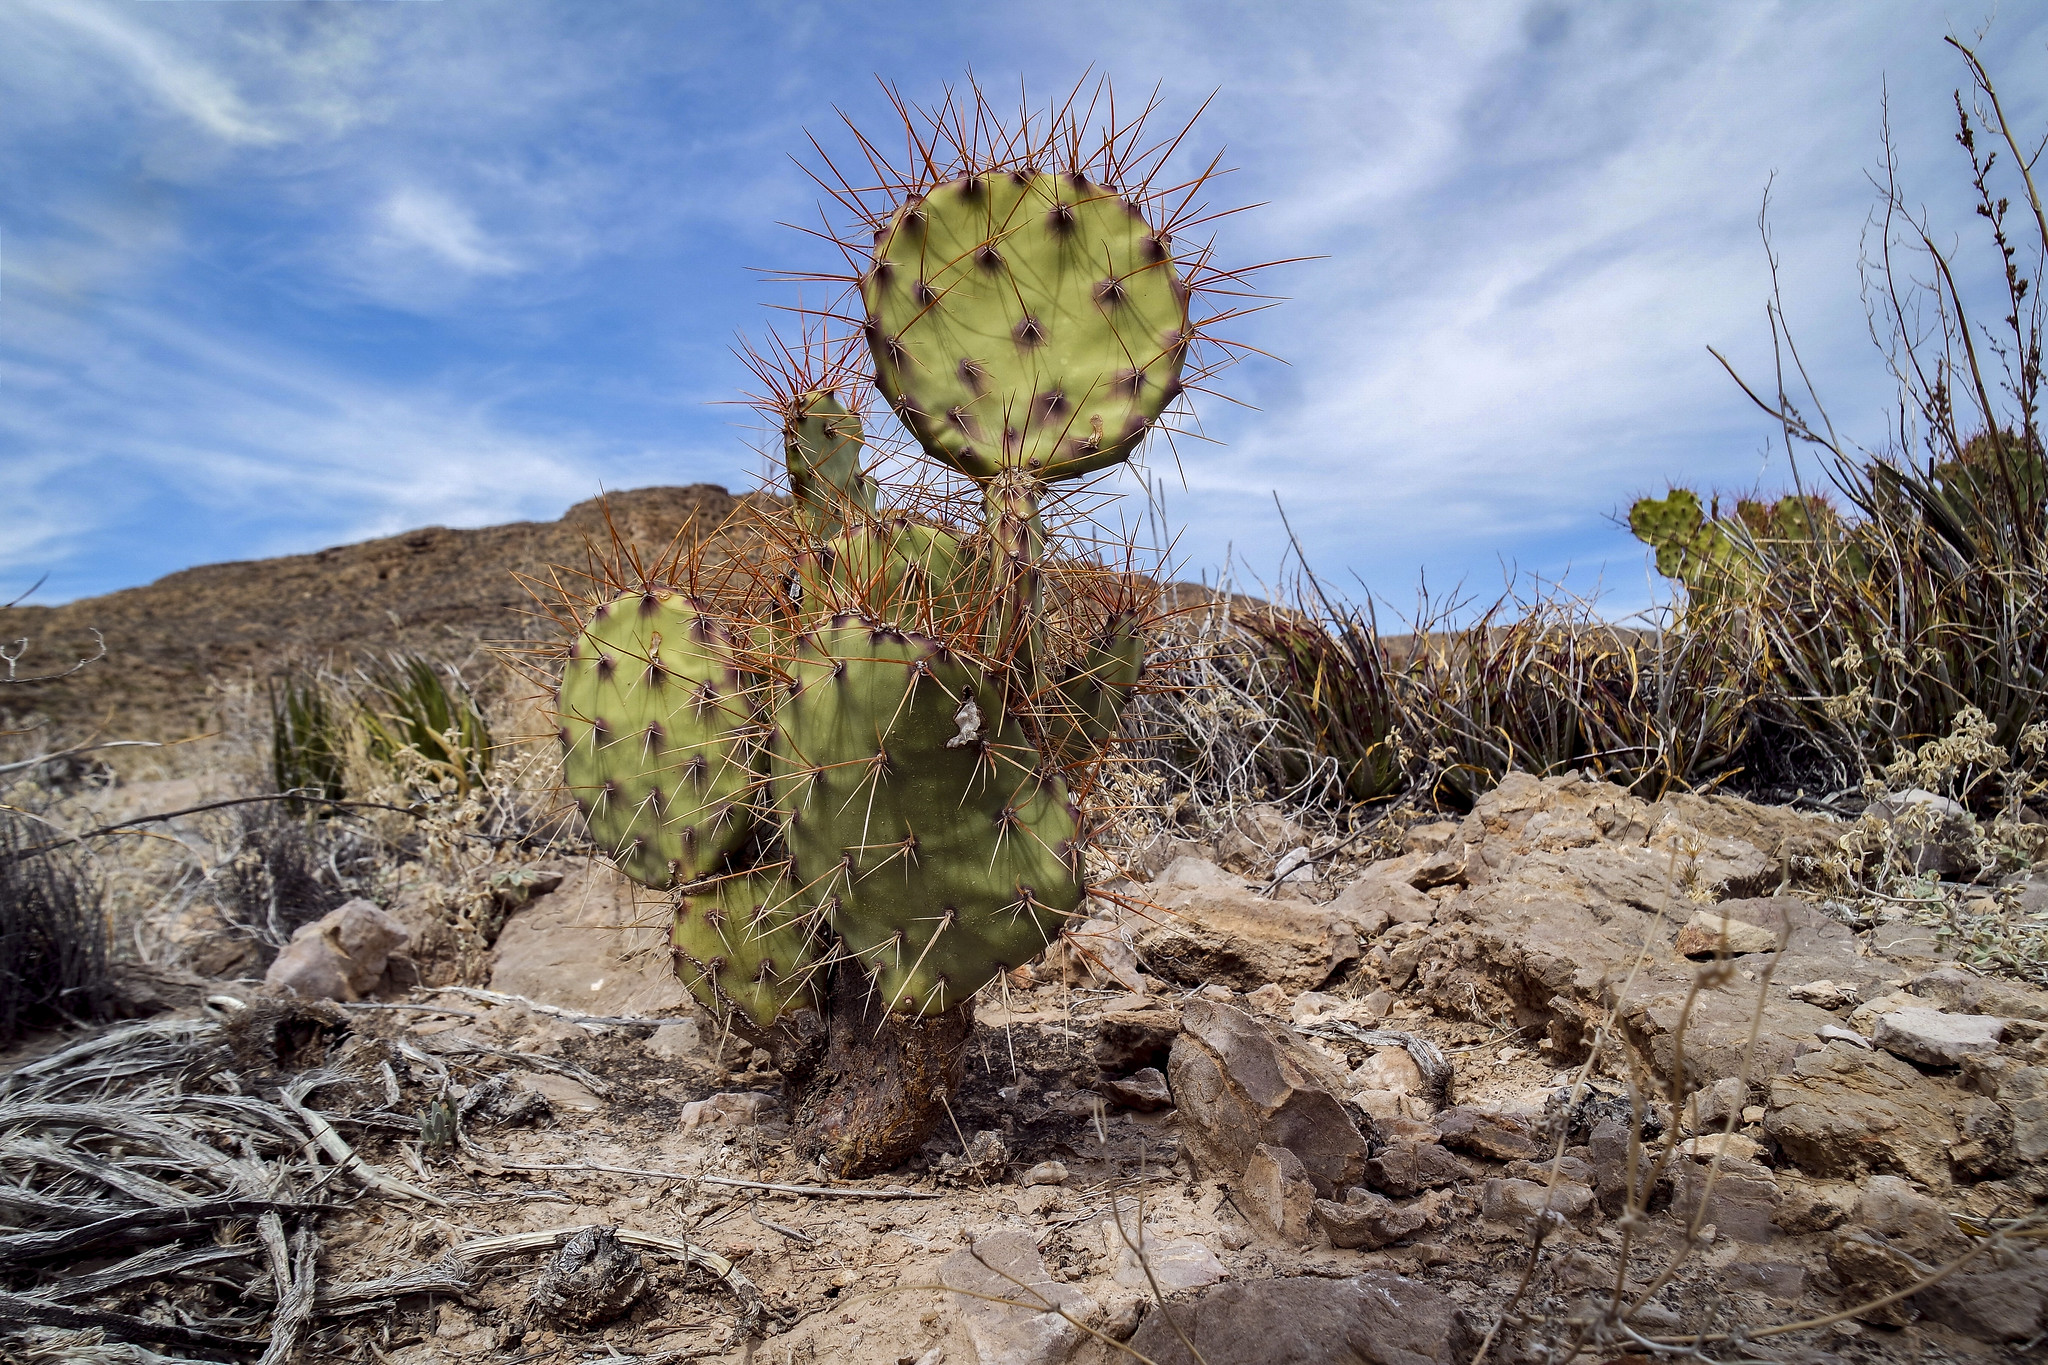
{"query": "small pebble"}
[(1046, 1173)]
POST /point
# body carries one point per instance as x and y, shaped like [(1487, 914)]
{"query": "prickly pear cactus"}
[(1087, 704), (1716, 558), (822, 448), (1025, 320), (657, 729), (853, 759)]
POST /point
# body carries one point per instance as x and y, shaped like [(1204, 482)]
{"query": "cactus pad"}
[(656, 729), (888, 568), (1086, 707), (1025, 321), (742, 943), (921, 825), (821, 446)]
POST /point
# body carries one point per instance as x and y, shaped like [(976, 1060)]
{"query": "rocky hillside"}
[(434, 590)]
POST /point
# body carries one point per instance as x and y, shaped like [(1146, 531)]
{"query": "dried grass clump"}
[(54, 946)]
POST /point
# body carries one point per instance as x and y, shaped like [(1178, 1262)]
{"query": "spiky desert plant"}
[(858, 755), (855, 739), (309, 736), (407, 703)]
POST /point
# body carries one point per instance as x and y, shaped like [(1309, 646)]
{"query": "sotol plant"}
[(858, 752)]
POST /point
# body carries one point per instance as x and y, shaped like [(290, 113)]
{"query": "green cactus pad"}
[(744, 943), (656, 729), (1086, 707), (1690, 547), (923, 827), (1025, 321), (821, 445), (888, 568)]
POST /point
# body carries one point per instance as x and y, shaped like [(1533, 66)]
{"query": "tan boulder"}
[(340, 956)]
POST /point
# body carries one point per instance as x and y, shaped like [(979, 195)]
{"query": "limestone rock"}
[(1740, 1196), (1367, 1221), (1128, 1040), (1235, 938), (2023, 1093), (1189, 872), (1240, 1084), (1099, 952), (1373, 902), (1378, 1318), (1732, 1146), (1960, 992), (2008, 1304), (1815, 1205), (1409, 1167), (1005, 1264), (1175, 1265), (1841, 1112), (1496, 1136), (340, 956), (1935, 1038), (1390, 1069), (1144, 1090), (1892, 1207), (586, 945), (1869, 1269), (1710, 931), (1716, 865), (1278, 1195), (1518, 1202)]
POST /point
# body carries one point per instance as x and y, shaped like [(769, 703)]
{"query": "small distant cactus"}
[(1724, 559), (853, 758)]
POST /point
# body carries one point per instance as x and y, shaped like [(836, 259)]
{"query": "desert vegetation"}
[(895, 925)]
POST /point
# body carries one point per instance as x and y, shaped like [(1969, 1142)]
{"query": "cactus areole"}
[(859, 763)]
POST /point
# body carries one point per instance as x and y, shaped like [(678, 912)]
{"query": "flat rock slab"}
[(1710, 931), (1232, 937), (1936, 1038), (1368, 1221), (1962, 993), (1005, 1264), (582, 946), (1844, 1112), (1518, 1202), (1377, 1318)]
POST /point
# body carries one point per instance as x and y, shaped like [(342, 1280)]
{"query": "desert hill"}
[(435, 590)]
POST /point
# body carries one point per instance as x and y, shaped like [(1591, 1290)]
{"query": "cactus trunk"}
[(864, 1098)]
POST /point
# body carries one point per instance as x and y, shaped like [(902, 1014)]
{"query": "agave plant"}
[(859, 754)]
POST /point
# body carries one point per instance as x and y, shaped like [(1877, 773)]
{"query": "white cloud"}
[(426, 220), (190, 87)]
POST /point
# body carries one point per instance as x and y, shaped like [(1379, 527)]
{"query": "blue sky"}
[(280, 275)]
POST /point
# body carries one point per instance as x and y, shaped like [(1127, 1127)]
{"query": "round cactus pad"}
[(742, 943), (655, 728), (1026, 321)]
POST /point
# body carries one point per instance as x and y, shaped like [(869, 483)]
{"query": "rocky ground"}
[(1264, 1108)]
